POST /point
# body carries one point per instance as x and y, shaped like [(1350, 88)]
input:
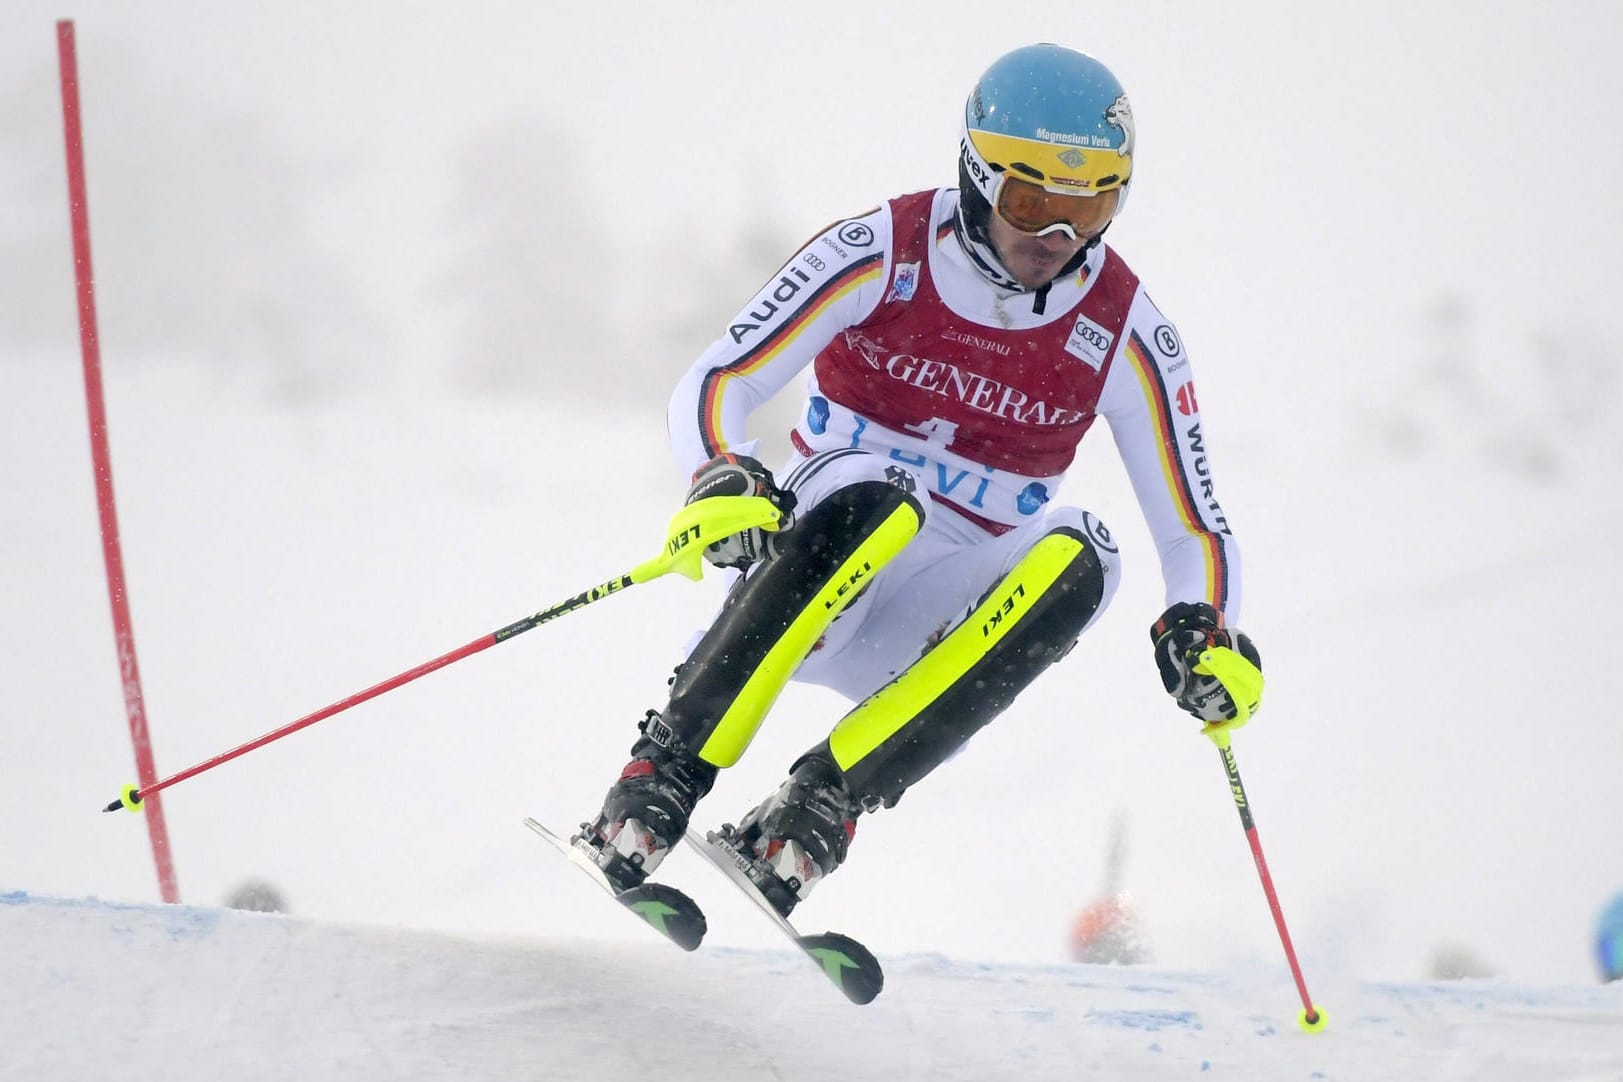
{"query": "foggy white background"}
[(390, 298)]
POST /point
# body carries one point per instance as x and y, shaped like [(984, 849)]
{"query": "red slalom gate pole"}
[(90, 349)]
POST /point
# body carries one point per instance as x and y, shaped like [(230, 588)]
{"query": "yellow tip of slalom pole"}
[(129, 798), (1311, 1021)]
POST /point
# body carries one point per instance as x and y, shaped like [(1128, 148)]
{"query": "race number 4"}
[(936, 432)]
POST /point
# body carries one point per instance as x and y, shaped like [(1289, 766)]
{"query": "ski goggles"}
[(1032, 209)]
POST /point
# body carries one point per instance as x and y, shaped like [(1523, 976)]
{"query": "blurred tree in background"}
[(203, 243), (532, 268), (1530, 404), (491, 264), (555, 294)]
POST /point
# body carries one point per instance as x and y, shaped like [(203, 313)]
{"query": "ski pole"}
[(1218, 662), (695, 526)]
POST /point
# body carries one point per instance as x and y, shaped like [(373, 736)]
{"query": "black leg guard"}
[(776, 615), (1027, 622)]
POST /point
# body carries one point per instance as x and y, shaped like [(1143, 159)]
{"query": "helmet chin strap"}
[(978, 246)]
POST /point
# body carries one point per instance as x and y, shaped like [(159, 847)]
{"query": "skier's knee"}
[(1028, 621), (1102, 553), (771, 621), (850, 514)]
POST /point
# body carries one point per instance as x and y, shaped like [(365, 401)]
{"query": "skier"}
[(961, 342)]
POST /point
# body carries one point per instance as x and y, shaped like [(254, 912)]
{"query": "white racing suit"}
[(969, 400)]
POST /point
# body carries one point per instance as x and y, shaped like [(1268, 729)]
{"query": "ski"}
[(851, 966), (664, 908)]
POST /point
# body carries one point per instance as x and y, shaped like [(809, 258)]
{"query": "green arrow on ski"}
[(835, 963), (655, 912)]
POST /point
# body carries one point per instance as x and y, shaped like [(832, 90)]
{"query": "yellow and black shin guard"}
[(773, 618), (1027, 622)]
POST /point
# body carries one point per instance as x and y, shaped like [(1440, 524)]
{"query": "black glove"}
[(1230, 689), (739, 475)]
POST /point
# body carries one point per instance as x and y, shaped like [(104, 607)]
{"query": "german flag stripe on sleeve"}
[(763, 353), (1173, 469)]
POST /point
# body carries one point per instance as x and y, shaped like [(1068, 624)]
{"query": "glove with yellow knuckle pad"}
[(1213, 672), (730, 474)]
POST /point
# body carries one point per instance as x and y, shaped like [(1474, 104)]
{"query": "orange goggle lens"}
[(1031, 208)]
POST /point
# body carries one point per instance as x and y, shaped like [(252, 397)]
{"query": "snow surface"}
[(94, 989)]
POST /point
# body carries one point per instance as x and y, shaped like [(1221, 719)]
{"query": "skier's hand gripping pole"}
[(1213, 672), (691, 529)]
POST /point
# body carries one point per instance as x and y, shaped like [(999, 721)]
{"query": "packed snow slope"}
[(92, 989)]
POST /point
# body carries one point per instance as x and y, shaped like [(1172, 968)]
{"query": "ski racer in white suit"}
[(959, 342)]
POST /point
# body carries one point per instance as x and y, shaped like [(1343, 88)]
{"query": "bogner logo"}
[(1090, 342)]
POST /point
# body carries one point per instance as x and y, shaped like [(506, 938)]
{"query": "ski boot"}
[(646, 811), (798, 835)]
